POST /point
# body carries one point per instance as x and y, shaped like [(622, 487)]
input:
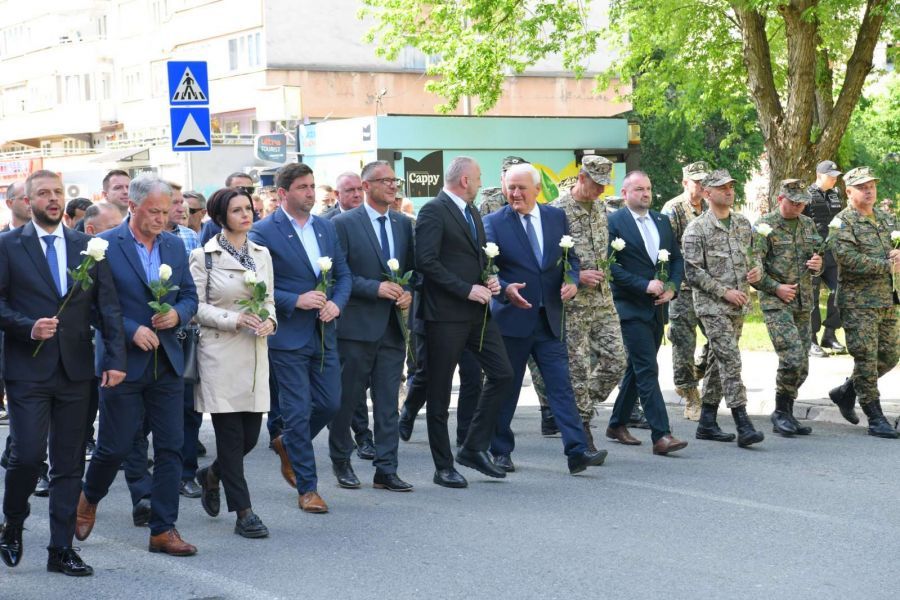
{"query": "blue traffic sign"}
[(190, 129), (188, 83)]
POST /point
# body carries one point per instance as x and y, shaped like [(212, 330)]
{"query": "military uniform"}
[(683, 321), (784, 254), (613, 203), (866, 298), (596, 351), (492, 200)]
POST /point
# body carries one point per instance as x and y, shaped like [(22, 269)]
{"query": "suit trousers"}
[(192, 422), (58, 407), (137, 473), (641, 380), (273, 420), (446, 341), (470, 386), (377, 366), (552, 358), (309, 394), (122, 410), (236, 435)]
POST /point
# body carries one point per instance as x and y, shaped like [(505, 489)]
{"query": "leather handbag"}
[(190, 338)]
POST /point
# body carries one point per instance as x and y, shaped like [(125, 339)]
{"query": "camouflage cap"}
[(509, 161), (795, 191), (827, 167), (717, 178), (696, 171), (860, 175), (567, 183), (598, 168)]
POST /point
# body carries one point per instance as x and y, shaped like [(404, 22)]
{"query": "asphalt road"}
[(796, 518)]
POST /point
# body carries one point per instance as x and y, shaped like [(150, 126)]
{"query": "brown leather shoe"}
[(287, 471), (169, 542), (85, 517), (667, 444), (312, 502), (622, 435)]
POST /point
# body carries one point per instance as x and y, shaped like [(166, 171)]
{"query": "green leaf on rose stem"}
[(263, 315), (154, 305), (260, 288), (165, 307)]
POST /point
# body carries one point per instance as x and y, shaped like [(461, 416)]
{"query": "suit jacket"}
[(633, 269), (28, 292), (518, 264), (332, 212), (294, 276), (450, 261), (366, 316), (134, 294)]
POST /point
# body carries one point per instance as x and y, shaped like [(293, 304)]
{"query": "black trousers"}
[(236, 436), (446, 342), (832, 314), (56, 407)]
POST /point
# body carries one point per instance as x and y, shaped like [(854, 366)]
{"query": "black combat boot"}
[(747, 434), (586, 423), (548, 422), (830, 341), (781, 421), (708, 429), (845, 397), (878, 425), (801, 429)]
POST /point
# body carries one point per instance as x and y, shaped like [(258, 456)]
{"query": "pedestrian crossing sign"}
[(188, 83), (190, 129)]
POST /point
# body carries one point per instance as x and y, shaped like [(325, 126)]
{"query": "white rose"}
[(250, 277), (835, 224), (325, 263), (895, 236), (492, 250), (96, 249), (763, 229), (618, 244), (165, 272), (663, 256), (393, 264), (566, 242)]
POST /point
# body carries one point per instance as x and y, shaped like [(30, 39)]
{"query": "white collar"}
[(459, 202), (58, 231), (374, 215)]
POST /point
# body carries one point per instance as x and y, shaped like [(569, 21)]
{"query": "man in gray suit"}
[(370, 336)]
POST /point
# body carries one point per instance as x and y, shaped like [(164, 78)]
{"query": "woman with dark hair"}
[(232, 354)]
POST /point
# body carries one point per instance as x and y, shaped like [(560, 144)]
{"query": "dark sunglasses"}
[(247, 189)]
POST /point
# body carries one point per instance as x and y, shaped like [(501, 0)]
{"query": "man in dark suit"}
[(305, 365), (371, 342), (349, 192), (642, 295), (449, 254), (140, 253), (49, 392), (529, 311)]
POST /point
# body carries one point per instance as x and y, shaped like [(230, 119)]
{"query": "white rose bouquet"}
[(255, 305), (325, 282), (492, 251)]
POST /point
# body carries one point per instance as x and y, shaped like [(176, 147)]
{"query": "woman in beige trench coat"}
[(232, 355)]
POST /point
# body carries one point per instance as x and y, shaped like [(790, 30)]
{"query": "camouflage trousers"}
[(872, 342), (789, 332), (596, 356), (723, 374), (683, 323)]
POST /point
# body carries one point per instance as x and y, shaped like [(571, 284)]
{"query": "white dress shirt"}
[(374, 215), (651, 245), (60, 244), (536, 222)]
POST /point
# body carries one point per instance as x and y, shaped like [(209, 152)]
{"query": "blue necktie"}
[(385, 246), (532, 239), (53, 262), (471, 221)]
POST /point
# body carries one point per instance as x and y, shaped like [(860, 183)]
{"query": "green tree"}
[(800, 64)]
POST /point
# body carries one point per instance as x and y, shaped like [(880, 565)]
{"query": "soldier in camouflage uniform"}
[(790, 258), (683, 321), (717, 266), (596, 352), (613, 203), (868, 304)]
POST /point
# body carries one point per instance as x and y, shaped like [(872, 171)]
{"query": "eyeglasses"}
[(388, 181)]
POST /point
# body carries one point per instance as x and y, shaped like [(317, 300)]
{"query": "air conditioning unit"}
[(77, 190)]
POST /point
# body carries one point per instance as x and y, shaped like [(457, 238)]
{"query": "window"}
[(244, 52), (132, 83)]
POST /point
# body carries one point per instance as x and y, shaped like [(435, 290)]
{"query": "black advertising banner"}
[(424, 178)]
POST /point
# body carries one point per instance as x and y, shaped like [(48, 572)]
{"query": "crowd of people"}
[(156, 306)]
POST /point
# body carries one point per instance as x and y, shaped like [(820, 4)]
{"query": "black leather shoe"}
[(42, 489), (365, 450), (504, 461), (816, 351), (480, 461), (390, 482), (11, 544), (4, 459), (209, 493), (250, 526), (189, 489), (450, 478), (830, 341), (201, 449), (405, 424), (580, 462), (140, 514), (346, 478), (67, 562)]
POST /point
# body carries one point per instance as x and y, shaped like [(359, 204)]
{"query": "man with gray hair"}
[(142, 254), (19, 208), (349, 192)]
